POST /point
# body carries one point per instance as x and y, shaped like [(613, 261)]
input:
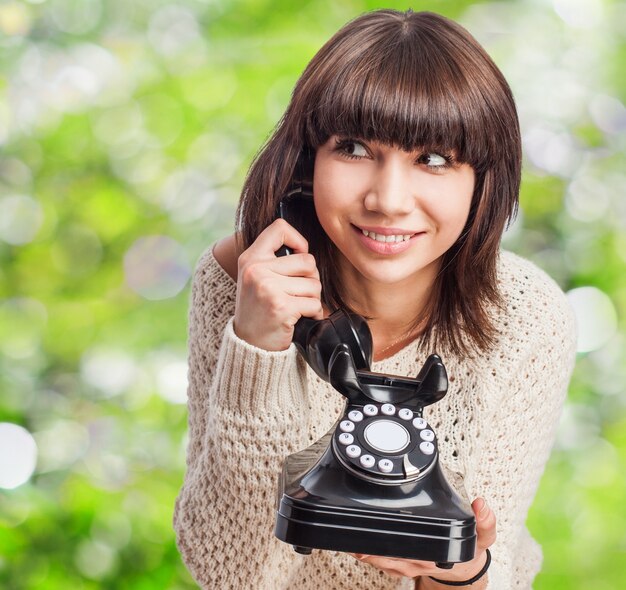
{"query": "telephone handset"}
[(373, 483)]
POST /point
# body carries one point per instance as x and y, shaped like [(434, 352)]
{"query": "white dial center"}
[(386, 436)]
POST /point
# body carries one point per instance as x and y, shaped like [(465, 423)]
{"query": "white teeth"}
[(386, 239)]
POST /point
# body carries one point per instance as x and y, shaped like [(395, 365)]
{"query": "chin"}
[(387, 275)]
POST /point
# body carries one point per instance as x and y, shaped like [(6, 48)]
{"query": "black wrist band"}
[(477, 577)]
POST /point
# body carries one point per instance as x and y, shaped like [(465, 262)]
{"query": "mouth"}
[(387, 241), (387, 238)]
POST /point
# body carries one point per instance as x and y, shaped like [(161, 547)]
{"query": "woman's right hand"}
[(273, 293)]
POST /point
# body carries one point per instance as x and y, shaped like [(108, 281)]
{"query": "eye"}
[(350, 148), (435, 161)]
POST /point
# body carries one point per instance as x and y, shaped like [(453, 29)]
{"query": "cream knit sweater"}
[(249, 408)]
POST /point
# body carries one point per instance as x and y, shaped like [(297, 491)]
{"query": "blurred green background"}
[(126, 128)]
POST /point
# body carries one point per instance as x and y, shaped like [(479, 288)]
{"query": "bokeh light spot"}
[(171, 380), (15, 172), (187, 195), (61, 445), (15, 19), (582, 14), (596, 317), (112, 529), (18, 455), (156, 267), (76, 16), (172, 29), (118, 125), (608, 113), (578, 428), (74, 86), (21, 219), (109, 371), (551, 150), (220, 163), (22, 321), (587, 199), (95, 559)]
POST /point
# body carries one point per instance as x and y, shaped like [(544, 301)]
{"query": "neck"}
[(393, 309)]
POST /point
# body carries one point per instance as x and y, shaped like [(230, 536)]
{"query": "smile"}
[(386, 239), (387, 244)]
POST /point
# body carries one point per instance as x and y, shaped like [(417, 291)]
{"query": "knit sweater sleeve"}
[(243, 404), (531, 371)]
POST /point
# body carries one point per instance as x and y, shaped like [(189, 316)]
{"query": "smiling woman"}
[(408, 135), (391, 215), (387, 200)]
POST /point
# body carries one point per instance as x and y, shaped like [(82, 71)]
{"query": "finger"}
[(485, 523), (277, 234), (394, 561), (268, 281), (282, 297), (296, 265), (289, 309), (395, 567), (299, 286), (309, 307)]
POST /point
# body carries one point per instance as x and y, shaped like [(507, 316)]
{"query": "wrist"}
[(259, 338), (466, 576)]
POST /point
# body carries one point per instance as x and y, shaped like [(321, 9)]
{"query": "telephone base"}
[(322, 506), (365, 533)]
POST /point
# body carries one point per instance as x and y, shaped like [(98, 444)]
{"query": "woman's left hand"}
[(411, 568)]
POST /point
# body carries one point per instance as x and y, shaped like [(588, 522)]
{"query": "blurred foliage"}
[(126, 128)]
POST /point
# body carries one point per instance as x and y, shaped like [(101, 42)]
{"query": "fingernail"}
[(480, 505), (484, 510)]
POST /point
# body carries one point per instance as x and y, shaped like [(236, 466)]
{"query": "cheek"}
[(448, 217), (333, 192), (330, 213), (332, 179), (452, 213)]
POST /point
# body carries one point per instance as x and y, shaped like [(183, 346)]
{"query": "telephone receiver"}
[(373, 483)]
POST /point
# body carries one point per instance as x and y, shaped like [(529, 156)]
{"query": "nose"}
[(390, 192)]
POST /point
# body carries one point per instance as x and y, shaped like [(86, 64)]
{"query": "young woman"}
[(409, 134)]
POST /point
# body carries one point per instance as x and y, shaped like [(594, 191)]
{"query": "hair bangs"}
[(395, 102)]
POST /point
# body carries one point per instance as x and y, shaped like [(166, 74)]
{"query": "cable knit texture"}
[(249, 408)]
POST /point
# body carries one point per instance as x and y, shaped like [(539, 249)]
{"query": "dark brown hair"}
[(415, 81)]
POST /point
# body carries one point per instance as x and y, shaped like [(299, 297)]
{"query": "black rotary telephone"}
[(373, 483)]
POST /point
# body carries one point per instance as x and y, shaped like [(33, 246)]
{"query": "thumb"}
[(485, 524)]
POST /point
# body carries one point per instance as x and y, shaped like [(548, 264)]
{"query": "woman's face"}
[(392, 214)]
